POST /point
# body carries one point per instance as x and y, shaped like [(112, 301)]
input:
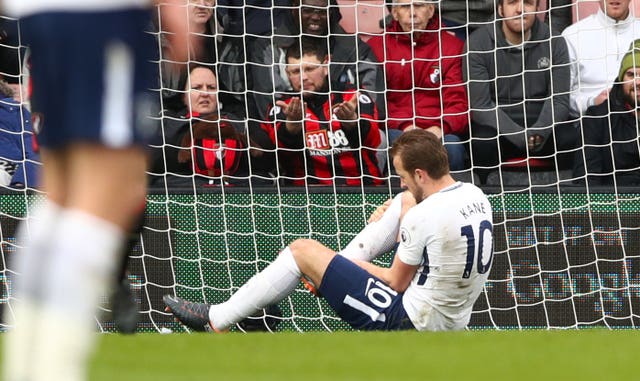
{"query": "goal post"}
[(566, 256)]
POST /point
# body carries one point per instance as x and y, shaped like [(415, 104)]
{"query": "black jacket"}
[(352, 60), (610, 150)]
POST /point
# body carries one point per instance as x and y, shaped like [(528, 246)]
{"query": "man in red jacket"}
[(323, 137), (423, 68)]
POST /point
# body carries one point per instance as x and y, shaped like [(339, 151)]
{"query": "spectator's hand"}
[(7, 169), (294, 111), (603, 96), (377, 214), (347, 112), (208, 127), (535, 142)]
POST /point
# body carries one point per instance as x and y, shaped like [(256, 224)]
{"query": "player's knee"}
[(299, 246), (307, 249)]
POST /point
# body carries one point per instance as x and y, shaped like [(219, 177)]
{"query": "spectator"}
[(323, 136), (246, 57), (464, 17), (610, 153), (190, 141), (423, 77), (351, 60), (596, 46), (519, 87), (559, 15), (19, 164), (174, 74)]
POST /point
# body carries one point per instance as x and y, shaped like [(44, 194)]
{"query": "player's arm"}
[(379, 236), (398, 276), (408, 201), (175, 19), (409, 256)]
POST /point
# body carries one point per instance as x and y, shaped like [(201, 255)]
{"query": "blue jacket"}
[(16, 135)]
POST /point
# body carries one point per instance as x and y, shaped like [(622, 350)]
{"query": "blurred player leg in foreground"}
[(91, 74), (124, 306)]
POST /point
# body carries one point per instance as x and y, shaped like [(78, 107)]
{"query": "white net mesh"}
[(566, 254)]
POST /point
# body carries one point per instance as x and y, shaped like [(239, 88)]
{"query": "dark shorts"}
[(361, 299), (91, 74)]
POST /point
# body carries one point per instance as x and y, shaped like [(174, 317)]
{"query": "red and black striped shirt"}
[(323, 152)]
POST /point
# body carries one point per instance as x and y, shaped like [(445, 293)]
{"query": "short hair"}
[(5, 90), (420, 149), (307, 46), (194, 66), (391, 3)]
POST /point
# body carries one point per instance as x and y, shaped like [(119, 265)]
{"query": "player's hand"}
[(347, 112), (377, 214)]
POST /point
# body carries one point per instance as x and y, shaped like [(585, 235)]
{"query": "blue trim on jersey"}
[(361, 299)]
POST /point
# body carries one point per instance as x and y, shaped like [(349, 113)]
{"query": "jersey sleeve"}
[(415, 232)]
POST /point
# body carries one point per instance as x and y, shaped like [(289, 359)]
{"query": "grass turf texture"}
[(483, 355)]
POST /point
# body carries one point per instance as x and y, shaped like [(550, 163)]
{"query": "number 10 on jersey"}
[(475, 250)]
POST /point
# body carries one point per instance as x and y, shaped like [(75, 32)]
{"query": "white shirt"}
[(440, 230), (596, 47), (21, 8)]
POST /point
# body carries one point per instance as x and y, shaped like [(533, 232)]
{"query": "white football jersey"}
[(21, 8), (450, 234)]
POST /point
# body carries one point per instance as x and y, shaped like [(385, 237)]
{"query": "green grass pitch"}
[(595, 354)]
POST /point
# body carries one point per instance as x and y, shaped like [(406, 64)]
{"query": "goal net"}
[(565, 255)]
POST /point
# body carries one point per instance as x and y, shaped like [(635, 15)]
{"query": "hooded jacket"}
[(596, 47), (518, 88), (424, 78)]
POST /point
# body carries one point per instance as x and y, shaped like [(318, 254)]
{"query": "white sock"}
[(269, 286), (377, 237), (34, 238), (83, 255), (28, 266)]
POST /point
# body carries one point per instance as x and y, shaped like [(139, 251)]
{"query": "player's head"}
[(307, 66), (201, 91), (418, 156)]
